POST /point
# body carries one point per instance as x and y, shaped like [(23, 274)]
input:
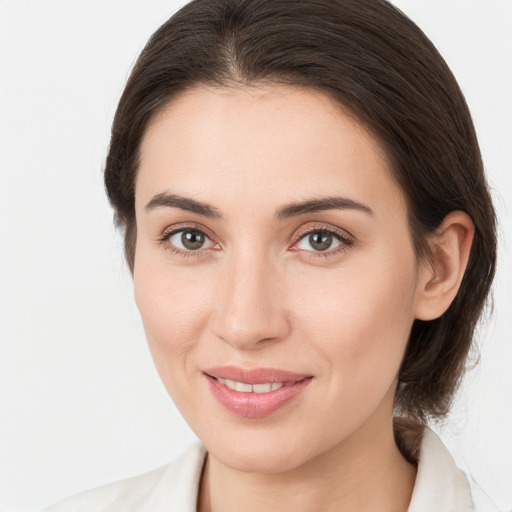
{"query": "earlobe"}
[(440, 277)]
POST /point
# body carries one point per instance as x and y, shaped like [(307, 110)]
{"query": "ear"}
[(440, 278)]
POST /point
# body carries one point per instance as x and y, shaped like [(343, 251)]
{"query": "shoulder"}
[(129, 493), (173, 485)]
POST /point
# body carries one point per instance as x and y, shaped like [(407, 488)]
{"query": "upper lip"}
[(254, 375)]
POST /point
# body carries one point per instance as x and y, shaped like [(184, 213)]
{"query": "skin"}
[(259, 293)]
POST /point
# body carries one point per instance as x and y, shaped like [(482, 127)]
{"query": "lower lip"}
[(255, 405)]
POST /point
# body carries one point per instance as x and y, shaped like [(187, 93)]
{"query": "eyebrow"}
[(286, 212), (183, 203), (317, 205)]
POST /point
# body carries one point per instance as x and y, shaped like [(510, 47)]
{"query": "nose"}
[(251, 309)]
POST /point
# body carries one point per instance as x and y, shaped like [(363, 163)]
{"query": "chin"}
[(263, 462), (260, 451)]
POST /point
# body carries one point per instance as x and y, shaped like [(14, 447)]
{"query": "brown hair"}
[(379, 65)]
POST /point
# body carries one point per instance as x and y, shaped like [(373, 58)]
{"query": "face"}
[(274, 273)]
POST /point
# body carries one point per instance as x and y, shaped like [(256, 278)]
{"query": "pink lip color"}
[(255, 405)]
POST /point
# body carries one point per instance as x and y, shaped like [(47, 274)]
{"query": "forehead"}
[(267, 142)]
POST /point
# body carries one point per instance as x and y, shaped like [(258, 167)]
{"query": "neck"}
[(365, 472)]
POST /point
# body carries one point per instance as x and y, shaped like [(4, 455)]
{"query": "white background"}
[(80, 402)]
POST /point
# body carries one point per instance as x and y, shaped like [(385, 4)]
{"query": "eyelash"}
[(345, 241)]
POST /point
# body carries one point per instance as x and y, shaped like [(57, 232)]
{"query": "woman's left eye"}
[(322, 240)]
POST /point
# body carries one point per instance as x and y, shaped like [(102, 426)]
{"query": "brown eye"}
[(192, 240), (319, 241), (188, 239)]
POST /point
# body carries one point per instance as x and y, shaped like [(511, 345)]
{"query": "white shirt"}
[(440, 486)]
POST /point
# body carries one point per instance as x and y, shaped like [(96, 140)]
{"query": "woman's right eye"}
[(187, 240)]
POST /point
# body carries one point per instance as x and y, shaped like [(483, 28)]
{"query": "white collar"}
[(179, 486), (440, 485)]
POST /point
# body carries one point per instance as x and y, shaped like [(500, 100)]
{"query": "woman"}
[(312, 242)]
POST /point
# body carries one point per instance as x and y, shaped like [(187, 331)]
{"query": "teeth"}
[(231, 384), (243, 387), (251, 388), (262, 388)]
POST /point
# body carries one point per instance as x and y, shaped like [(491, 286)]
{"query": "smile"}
[(243, 387), (254, 393)]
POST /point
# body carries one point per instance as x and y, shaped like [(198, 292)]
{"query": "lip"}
[(255, 405), (254, 375)]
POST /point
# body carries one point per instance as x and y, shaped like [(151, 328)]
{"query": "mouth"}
[(244, 387), (254, 393)]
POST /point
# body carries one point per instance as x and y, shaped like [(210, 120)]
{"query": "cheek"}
[(173, 307), (361, 319)]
